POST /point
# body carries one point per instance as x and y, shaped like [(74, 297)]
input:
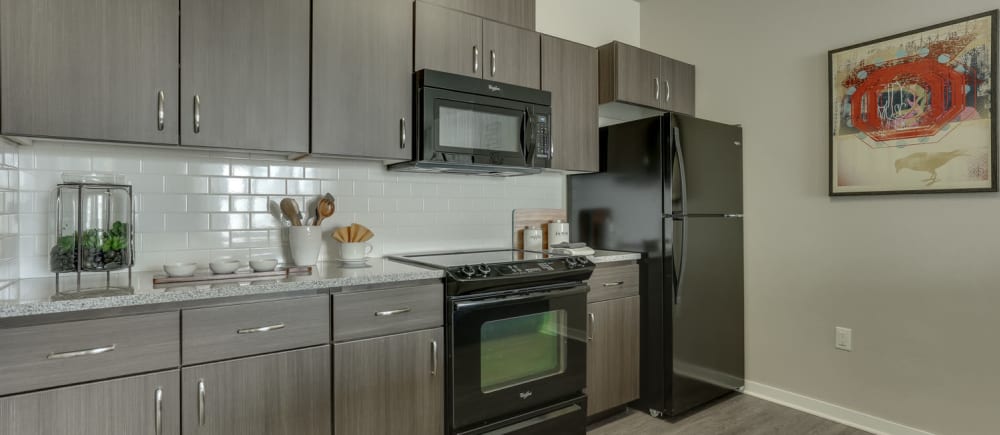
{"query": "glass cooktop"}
[(443, 260)]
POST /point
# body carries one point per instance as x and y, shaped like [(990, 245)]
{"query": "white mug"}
[(305, 242), (355, 251)]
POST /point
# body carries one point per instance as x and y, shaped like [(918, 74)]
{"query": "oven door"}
[(516, 353)]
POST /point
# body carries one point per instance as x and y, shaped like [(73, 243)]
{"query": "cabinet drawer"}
[(46, 356), (611, 282), (211, 334), (383, 312)]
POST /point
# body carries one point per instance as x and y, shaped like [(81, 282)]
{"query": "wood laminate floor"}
[(737, 415)]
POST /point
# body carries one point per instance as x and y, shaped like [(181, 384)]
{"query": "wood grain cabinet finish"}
[(148, 404), (390, 385), (245, 74), (612, 353), (212, 334), (632, 75), (285, 393), (569, 72), (447, 40), (512, 55), (90, 69), (390, 311), (362, 81), (613, 282), (520, 13), (44, 356)]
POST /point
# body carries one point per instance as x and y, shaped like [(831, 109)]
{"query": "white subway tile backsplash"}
[(229, 185), (286, 171), (185, 184), (230, 221), (248, 203), (162, 242), (303, 187), (64, 161), (410, 204), (248, 239), (208, 203), (208, 168), (263, 186), (209, 240), (118, 165), (264, 221), (174, 203), (186, 221), (381, 204), (163, 166), (398, 189), (149, 222), (338, 188), (322, 173), (145, 183), (249, 170), (369, 188)]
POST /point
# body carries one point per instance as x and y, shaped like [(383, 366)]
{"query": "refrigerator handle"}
[(676, 143)]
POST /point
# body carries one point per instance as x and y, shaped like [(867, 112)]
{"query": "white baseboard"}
[(830, 411)]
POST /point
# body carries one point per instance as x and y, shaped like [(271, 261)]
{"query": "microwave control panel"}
[(543, 137)]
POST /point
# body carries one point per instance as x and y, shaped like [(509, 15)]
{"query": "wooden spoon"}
[(291, 210), (324, 209)]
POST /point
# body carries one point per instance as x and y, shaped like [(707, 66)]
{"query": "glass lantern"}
[(94, 230)]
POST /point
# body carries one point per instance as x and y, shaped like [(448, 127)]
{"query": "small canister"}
[(533, 238), (558, 232)]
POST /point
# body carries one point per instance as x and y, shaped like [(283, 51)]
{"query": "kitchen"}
[(245, 126)]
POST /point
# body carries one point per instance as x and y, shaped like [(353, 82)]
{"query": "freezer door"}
[(707, 317), (706, 158)]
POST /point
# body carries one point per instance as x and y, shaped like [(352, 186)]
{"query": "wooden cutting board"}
[(524, 217)]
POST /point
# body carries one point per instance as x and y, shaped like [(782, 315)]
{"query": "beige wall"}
[(591, 22), (916, 277)]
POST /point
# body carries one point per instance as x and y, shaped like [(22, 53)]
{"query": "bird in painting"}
[(927, 162)]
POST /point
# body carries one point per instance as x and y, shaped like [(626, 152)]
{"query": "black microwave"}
[(474, 126)]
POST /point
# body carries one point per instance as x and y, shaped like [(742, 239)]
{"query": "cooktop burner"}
[(444, 260)]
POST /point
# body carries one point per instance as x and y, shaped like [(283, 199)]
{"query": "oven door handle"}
[(531, 297)]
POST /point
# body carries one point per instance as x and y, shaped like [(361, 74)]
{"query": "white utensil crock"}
[(305, 242)]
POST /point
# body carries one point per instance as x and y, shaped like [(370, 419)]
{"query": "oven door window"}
[(522, 349), (479, 129)]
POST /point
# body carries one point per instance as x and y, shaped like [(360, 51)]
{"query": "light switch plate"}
[(843, 339)]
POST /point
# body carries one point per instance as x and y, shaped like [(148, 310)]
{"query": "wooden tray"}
[(525, 217), (206, 275)]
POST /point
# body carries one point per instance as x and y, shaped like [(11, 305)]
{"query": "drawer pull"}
[(434, 357), (590, 326), (86, 352), (261, 329), (392, 312), (614, 284), (201, 402), (158, 414)]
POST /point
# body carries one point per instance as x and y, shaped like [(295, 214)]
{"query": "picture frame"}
[(915, 112)]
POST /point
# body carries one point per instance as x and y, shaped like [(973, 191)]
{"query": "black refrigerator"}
[(671, 187)]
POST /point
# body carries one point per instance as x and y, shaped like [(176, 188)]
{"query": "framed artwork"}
[(914, 112)]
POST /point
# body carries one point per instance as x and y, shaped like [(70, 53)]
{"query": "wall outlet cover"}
[(843, 339)]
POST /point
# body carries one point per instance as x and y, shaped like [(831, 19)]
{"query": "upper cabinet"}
[(362, 81), (631, 75), (452, 41), (245, 74), (520, 13), (569, 72), (90, 69)]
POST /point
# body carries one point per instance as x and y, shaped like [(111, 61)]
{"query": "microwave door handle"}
[(525, 132)]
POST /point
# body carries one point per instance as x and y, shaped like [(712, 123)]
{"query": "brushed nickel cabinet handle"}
[(475, 58), (201, 402), (392, 312), (614, 284), (197, 114), (434, 357), (667, 83), (158, 415), (161, 98), (656, 84), (267, 328), (85, 352), (590, 326), (402, 133), (493, 63)]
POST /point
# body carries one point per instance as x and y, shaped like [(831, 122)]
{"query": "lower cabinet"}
[(390, 385), (612, 353), (148, 404), (285, 393)]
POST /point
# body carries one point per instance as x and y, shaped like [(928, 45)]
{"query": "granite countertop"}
[(31, 297), (601, 256)]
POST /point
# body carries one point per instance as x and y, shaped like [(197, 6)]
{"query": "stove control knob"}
[(571, 262), (484, 269), (581, 261), (468, 271)]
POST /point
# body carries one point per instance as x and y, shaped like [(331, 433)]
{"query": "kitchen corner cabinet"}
[(362, 85), (148, 404), (520, 13), (245, 74), (632, 75), (569, 72), (612, 353), (90, 69), (279, 393), (455, 42), (390, 385)]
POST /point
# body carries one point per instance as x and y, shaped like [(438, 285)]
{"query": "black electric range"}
[(516, 340)]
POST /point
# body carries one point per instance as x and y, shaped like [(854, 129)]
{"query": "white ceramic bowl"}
[(224, 266), (180, 269), (263, 265)]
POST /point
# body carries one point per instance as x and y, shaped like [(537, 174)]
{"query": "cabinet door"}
[(148, 404), (362, 81), (612, 354), (90, 69), (284, 393), (679, 84), (447, 40), (512, 55), (520, 13), (390, 385), (245, 74), (637, 76), (569, 72)]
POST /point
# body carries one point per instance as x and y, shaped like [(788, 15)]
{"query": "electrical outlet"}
[(843, 340)]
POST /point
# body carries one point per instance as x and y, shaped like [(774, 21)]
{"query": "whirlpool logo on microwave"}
[(525, 394), (493, 88)]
